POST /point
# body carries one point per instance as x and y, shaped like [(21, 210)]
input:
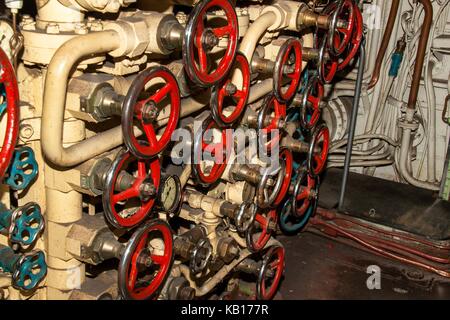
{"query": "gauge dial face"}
[(171, 194)]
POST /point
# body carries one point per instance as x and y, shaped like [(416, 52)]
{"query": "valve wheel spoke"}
[(201, 148), (125, 195), (222, 31), (262, 221)]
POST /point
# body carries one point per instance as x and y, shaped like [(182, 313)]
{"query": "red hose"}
[(380, 251)]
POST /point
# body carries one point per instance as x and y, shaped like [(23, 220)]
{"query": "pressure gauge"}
[(170, 194), (6, 33)]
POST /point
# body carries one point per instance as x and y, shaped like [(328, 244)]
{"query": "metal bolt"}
[(209, 39), (147, 190), (148, 262), (272, 226), (282, 124), (26, 131), (52, 28), (230, 88), (150, 111), (187, 293), (234, 250), (96, 26), (26, 18), (81, 28), (100, 3), (342, 24), (181, 17)]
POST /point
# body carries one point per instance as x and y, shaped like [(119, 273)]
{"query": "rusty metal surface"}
[(322, 268)]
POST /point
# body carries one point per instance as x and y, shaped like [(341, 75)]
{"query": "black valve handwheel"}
[(130, 191), (267, 194), (145, 100), (146, 261), (205, 169), (228, 96), (201, 256), (200, 40), (306, 193), (310, 105), (340, 36), (270, 274), (287, 70), (246, 216), (318, 150), (260, 232)]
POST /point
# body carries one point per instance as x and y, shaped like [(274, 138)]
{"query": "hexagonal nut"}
[(133, 34), (179, 289)]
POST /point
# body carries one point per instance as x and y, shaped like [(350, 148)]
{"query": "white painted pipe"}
[(404, 150)]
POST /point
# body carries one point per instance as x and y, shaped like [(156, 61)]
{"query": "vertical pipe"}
[(354, 116), (421, 50), (384, 43)]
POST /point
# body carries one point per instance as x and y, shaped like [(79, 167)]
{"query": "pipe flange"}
[(404, 124)]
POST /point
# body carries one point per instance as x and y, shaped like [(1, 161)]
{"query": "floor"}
[(322, 268), (319, 268), (389, 203)]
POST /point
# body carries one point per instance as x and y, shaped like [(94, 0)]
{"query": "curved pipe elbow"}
[(55, 90), (406, 139)]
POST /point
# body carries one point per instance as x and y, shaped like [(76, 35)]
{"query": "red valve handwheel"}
[(217, 150), (305, 194), (355, 42), (9, 82), (199, 40), (131, 186), (340, 36), (318, 150), (270, 273), (327, 65), (286, 156), (142, 106), (228, 92), (310, 107), (146, 262), (288, 65), (275, 111), (266, 225)]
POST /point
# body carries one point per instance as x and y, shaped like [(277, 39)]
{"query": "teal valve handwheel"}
[(27, 270), (23, 169), (23, 224), (290, 224)]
